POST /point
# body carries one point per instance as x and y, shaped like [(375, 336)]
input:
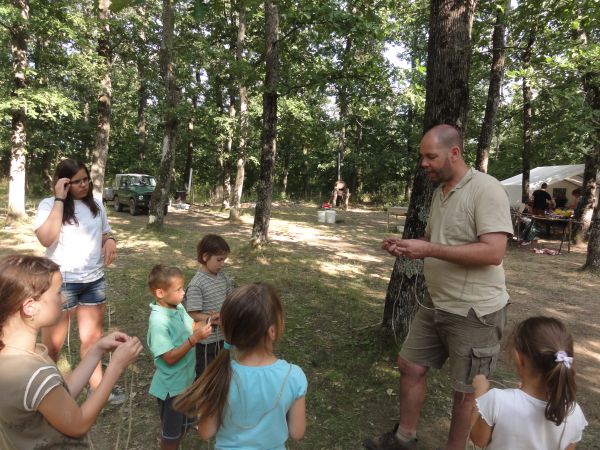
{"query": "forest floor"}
[(333, 281)]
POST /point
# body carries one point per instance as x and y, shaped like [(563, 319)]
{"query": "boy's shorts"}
[(471, 343), (84, 294), (173, 424), (205, 354)]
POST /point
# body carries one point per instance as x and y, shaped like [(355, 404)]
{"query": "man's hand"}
[(411, 248)]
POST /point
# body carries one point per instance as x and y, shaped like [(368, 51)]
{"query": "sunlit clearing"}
[(336, 268)]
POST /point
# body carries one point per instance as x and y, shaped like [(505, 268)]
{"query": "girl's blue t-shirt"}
[(259, 399)]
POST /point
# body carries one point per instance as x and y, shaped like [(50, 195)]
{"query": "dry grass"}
[(333, 280)]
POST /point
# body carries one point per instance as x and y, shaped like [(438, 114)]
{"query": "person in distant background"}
[(578, 201), (560, 200), (541, 200)]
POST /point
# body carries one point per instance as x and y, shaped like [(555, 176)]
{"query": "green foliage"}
[(333, 74)]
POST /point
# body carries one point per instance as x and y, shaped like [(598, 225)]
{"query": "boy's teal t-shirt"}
[(259, 399), (167, 329)]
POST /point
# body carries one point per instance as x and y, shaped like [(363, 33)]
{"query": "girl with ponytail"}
[(542, 413), (248, 397)]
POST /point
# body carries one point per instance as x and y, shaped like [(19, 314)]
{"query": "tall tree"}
[(446, 101), (262, 212), (493, 97), (100, 154), (527, 115), (160, 196), (18, 138), (240, 165), (142, 61)]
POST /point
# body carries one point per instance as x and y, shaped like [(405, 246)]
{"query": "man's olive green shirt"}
[(477, 205)]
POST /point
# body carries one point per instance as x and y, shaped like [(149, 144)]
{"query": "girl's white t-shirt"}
[(519, 422), (78, 250)]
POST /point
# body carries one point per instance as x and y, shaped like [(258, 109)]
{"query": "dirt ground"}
[(538, 284)]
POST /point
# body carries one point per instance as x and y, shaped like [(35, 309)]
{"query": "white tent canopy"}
[(569, 175)]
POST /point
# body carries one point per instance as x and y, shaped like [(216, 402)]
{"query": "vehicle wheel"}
[(117, 204), (132, 207)]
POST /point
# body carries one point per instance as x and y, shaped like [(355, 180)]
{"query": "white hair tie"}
[(562, 357)]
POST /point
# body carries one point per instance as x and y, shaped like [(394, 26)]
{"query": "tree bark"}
[(228, 148), (591, 84), (527, 119), (189, 154), (18, 138), (234, 212), (262, 213), (586, 215), (446, 101), (493, 97), (160, 196), (141, 62), (100, 153)]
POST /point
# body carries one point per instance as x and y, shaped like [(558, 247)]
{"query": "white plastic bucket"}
[(330, 216), (321, 216)]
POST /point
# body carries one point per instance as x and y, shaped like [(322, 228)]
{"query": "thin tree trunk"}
[(493, 97), (18, 138), (160, 196), (228, 147), (142, 133), (142, 61), (262, 213), (343, 107), (100, 154), (527, 120), (234, 213), (285, 174), (446, 101), (189, 155)]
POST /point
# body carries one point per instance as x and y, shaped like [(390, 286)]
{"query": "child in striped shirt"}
[(206, 293)]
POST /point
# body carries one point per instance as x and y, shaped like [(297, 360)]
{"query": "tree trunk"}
[(585, 215), (592, 261), (591, 84), (18, 138), (189, 154), (234, 212), (493, 97), (343, 107), (142, 61), (160, 196), (228, 147), (446, 101), (100, 154), (142, 133), (262, 213), (285, 174), (527, 120)]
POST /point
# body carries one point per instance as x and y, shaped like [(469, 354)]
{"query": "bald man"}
[(463, 313)]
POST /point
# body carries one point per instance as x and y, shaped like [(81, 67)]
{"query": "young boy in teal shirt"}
[(171, 336)]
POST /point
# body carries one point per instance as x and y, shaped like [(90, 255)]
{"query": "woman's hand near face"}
[(61, 188)]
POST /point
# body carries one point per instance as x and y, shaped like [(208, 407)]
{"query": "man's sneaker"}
[(389, 441), (117, 397)]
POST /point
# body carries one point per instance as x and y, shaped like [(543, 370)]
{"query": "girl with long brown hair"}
[(248, 397), (542, 414), (74, 228), (37, 406)]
